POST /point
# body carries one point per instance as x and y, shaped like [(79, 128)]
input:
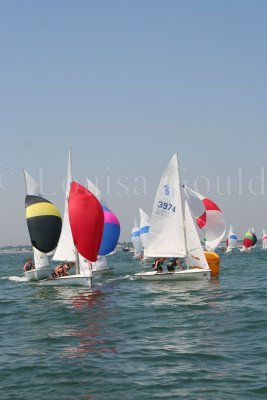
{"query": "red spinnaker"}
[(86, 220), (248, 242)]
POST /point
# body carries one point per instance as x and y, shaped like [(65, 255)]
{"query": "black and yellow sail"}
[(44, 223)]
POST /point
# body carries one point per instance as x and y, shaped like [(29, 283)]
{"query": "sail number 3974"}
[(166, 206)]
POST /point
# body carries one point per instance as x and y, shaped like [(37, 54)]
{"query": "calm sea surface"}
[(128, 340)]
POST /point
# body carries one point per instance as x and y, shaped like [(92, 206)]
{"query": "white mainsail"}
[(195, 255), (232, 239), (144, 226), (85, 266), (101, 264), (94, 189), (40, 259), (32, 189), (166, 236), (66, 250)]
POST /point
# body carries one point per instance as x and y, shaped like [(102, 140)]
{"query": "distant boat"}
[(231, 241), (42, 267), (172, 232), (264, 240), (248, 242), (126, 249)]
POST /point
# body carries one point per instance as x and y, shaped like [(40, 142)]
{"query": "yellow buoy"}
[(213, 260)]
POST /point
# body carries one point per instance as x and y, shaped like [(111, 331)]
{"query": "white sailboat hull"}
[(38, 274), (195, 274), (245, 249), (70, 280)]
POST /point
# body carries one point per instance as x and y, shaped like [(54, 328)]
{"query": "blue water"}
[(128, 339)]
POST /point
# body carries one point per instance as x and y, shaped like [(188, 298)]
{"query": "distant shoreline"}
[(15, 251)]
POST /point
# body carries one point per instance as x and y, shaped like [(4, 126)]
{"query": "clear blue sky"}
[(126, 84)]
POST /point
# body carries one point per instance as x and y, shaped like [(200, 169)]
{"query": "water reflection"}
[(90, 330)]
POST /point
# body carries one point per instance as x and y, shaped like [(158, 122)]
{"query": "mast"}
[(77, 264), (183, 208)]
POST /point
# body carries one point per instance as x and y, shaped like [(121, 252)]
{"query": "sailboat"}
[(42, 268), (173, 233), (110, 237), (248, 242), (264, 240), (231, 241), (136, 240), (81, 234)]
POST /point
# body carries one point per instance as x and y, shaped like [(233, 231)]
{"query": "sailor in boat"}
[(61, 269), (173, 263), (28, 265), (180, 263), (157, 264)]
